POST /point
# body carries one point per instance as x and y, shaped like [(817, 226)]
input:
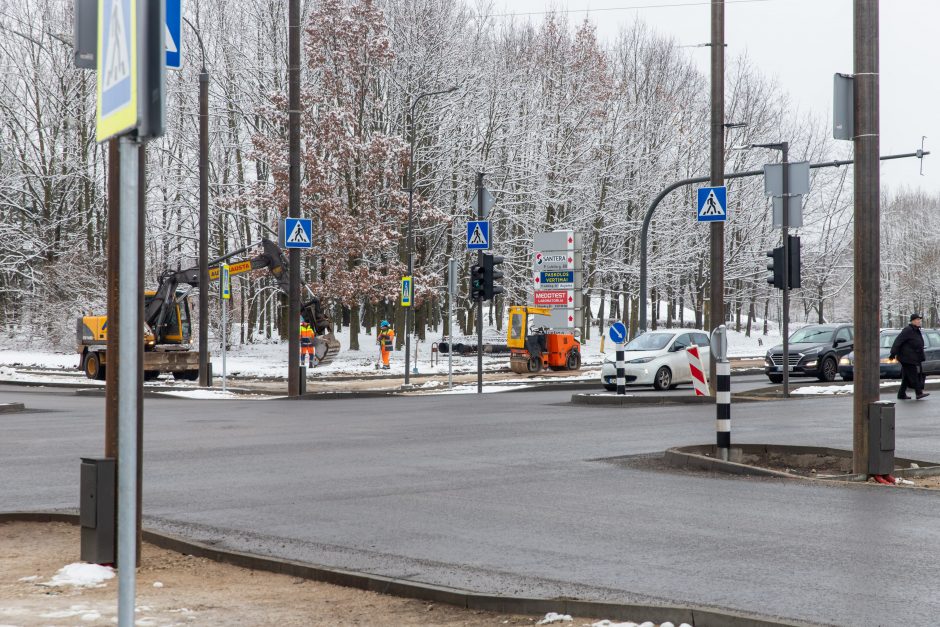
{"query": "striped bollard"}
[(699, 384), (621, 375), (723, 406)]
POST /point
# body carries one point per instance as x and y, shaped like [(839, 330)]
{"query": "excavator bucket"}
[(325, 348)]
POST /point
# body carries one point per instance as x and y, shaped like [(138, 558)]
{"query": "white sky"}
[(803, 43)]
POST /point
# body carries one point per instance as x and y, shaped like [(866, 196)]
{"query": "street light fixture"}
[(411, 193)]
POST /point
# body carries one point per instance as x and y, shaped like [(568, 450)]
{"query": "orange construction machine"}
[(534, 350)]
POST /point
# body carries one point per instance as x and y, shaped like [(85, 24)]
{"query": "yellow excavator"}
[(168, 326)]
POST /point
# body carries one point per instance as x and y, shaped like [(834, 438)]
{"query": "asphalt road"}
[(513, 494)]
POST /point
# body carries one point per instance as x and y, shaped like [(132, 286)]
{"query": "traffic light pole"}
[(480, 300)]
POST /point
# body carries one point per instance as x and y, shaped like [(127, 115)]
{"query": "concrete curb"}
[(696, 616), (11, 408), (702, 457), (611, 399)]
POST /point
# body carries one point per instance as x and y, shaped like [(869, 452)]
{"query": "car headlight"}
[(641, 360), (810, 364), (888, 360), (811, 351), (845, 361)]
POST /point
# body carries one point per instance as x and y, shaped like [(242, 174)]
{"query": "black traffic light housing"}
[(476, 283), (490, 274), (794, 258), (775, 265)]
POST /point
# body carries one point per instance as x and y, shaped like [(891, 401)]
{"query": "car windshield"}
[(812, 335), (887, 339), (649, 342)]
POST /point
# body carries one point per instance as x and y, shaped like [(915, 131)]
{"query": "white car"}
[(658, 358)]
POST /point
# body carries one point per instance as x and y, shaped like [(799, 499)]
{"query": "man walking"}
[(908, 348)]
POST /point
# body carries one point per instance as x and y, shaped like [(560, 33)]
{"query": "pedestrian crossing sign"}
[(407, 290), (712, 204), (117, 110), (478, 235), (296, 233)]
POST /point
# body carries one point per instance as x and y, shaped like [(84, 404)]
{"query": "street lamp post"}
[(411, 194), (204, 379)]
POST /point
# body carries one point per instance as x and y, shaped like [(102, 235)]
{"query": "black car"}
[(890, 368), (815, 351)]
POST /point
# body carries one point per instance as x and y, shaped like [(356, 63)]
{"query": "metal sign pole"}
[(786, 269), (451, 293), (128, 345), (480, 301)]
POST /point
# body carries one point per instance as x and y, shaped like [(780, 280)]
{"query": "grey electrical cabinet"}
[(96, 511), (881, 438)]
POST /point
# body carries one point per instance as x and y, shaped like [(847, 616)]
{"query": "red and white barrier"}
[(698, 372)]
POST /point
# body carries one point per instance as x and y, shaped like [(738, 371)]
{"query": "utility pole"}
[(293, 319), (867, 300), (204, 378), (717, 269), (785, 224)]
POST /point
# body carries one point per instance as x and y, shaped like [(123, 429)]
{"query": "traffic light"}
[(490, 274), (775, 265), (794, 258), (476, 283)]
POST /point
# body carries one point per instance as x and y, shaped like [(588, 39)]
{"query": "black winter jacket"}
[(908, 346)]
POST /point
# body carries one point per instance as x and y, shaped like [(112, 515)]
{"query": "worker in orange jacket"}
[(306, 342), (386, 341)]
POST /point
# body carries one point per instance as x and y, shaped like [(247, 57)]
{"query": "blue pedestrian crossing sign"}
[(174, 34), (712, 204), (296, 233), (617, 332), (478, 235), (117, 110)]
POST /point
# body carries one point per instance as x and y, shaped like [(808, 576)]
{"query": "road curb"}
[(11, 408), (696, 616), (613, 400), (704, 457)]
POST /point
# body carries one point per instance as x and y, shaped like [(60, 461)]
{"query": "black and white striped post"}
[(621, 375), (719, 348), (618, 335)]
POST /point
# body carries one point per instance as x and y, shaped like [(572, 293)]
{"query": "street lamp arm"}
[(202, 49)]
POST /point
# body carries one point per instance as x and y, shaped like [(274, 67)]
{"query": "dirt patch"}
[(175, 589)]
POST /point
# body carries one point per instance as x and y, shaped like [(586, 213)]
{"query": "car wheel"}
[(93, 368), (663, 378), (610, 388), (828, 370), (775, 378), (847, 377)]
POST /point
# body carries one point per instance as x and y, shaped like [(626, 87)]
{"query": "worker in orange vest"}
[(306, 342), (385, 339)]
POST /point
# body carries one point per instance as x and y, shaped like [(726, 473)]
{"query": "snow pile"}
[(81, 575), (813, 390), (552, 617)]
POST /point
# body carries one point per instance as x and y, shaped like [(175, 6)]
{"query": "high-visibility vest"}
[(306, 335), (385, 339)]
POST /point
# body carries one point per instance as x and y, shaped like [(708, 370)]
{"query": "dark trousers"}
[(911, 377)]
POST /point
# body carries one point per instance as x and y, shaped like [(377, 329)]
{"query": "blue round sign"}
[(617, 332)]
